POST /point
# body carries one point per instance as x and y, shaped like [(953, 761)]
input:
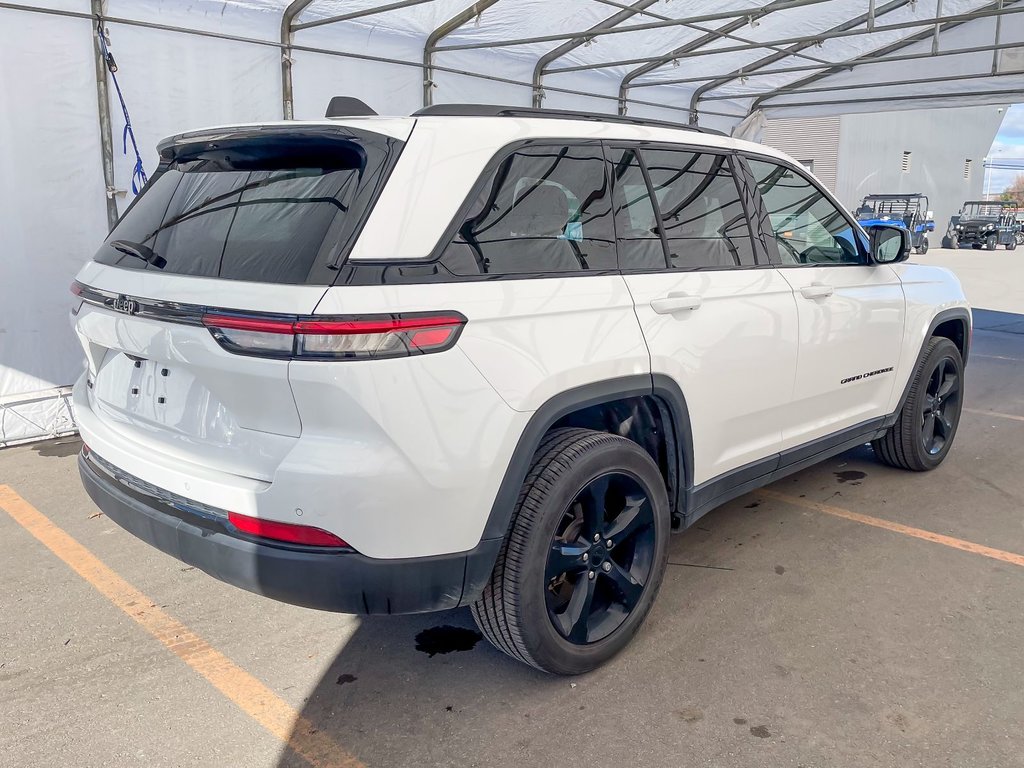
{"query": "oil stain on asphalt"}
[(446, 639), (850, 475)]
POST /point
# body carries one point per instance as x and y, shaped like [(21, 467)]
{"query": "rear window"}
[(273, 208), (544, 209)]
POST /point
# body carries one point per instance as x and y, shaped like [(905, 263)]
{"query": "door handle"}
[(676, 302), (817, 291)]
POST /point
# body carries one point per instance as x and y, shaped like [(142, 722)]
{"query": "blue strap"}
[(139, 177)]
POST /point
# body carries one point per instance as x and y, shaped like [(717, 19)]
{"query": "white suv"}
[(491, 357)]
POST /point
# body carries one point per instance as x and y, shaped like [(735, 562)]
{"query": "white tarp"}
[(52, 191)]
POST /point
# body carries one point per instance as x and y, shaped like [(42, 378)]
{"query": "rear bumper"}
[(344, 581)]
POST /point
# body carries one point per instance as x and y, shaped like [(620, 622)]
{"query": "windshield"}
[(272, 209), (981, 211)]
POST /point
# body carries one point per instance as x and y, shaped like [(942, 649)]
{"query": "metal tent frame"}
[(781, 49), (711, 28)]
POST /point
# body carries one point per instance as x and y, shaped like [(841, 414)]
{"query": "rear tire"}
[(1012, 245), (922, 249), (557, 599), (927, 423)]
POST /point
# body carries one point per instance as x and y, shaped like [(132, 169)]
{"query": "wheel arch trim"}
[(662, 387), (955, 313)]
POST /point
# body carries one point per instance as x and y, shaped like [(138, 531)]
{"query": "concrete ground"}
[(817, 623)]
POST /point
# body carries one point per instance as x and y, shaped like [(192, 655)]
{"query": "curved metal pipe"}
[(295, 7), (576, 42), (699, 92), (430, 46)]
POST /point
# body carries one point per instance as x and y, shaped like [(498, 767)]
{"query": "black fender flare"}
[(955, 313), (663, 388)]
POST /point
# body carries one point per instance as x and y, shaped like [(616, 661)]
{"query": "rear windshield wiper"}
[(139, 251)]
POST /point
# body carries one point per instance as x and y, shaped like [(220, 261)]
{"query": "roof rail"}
[(495, 110)]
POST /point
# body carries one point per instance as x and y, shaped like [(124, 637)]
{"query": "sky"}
[(1009, 143)]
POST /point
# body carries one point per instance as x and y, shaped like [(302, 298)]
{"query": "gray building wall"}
[(813, 141), (869, 153)]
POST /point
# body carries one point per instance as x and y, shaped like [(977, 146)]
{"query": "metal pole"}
[(717, 16), (311, 49), (877, 56), (995, 53), (841, 66), (287, 36), (693, 45), (809, 39), (98, 7), (856, 86), (571, 45), (430, 47), (851, 24), (358, 14), (1011, 95), (938, 27)]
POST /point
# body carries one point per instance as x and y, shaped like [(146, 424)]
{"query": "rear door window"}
[(636, 223), (274, 208), (544, 209), (704, 220)]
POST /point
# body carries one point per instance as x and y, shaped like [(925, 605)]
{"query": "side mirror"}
[(889, 244)]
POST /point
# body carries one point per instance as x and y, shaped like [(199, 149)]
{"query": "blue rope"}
[(139, 178)]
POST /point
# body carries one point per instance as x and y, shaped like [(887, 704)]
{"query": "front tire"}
[(927, 423), (584, 556), (991, 242)]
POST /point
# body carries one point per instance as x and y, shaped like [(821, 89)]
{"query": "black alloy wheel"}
[(927, 423), (584, 555), (601, 557), (941, 406)]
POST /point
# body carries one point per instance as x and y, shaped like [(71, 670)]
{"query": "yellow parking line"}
[(249, 694), (994, 413), (918, 533)]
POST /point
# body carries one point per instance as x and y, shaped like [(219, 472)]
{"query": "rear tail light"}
[(285, 532), (336, 338)]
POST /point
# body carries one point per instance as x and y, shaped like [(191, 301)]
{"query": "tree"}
[(1015, 191)]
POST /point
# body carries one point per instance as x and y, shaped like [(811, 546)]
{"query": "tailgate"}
[(158, 377)]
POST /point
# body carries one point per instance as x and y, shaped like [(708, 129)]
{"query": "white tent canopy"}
[(184, 65)]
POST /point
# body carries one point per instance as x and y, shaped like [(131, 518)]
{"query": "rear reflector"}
[(286, 532), (336, 338)]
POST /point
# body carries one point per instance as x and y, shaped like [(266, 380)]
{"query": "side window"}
[(705, 223), (636, 224), (806, 227), (544, 209)]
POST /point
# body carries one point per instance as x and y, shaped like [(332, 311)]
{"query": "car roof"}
[(530, 124)]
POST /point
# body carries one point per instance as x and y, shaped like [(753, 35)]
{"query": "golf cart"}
[(986, 224), (910, 210)]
